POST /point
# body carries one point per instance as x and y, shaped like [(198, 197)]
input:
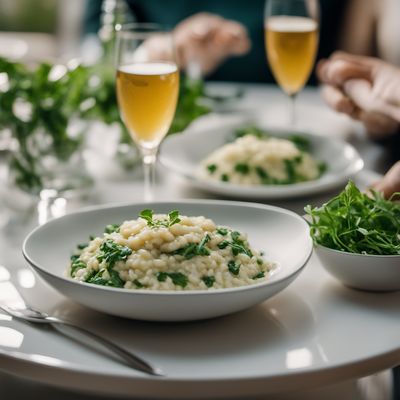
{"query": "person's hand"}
[(365, 88), (390, 183), (207, 40)]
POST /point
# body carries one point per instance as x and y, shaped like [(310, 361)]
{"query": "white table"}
[(325, 335)]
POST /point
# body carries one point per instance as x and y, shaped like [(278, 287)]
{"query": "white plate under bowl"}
[(281, 234), (182, 154)]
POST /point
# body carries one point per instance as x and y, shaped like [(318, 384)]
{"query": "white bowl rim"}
[(168, 293), (317, 245)]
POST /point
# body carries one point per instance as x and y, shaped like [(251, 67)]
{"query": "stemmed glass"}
[(291, 40), (147, 89)]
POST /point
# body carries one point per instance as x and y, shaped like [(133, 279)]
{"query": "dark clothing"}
[(252, 67)]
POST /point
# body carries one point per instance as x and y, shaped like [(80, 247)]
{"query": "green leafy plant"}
[(52, 95), (357, 223)]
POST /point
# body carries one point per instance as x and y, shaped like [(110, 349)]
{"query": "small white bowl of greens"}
[(357, 239)]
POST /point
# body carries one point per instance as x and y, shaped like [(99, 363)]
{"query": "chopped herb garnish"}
[(138, 283), (225, 178), (242, 168), (173, 218), (233, 267), (250, 130), (222, 231), (322, 167), (301, 142), (262, 173), (211, 168), (357, 223), (111, 228), (290, 170), (208, 280), (192, 249), (76, 265), (147, 215), (260, 275), (81, 246), (96, 277), (237, 246), (115, 280), (177, 278), (111, 252), (74, 257), (259, 261), (162, 276), (224, 244)]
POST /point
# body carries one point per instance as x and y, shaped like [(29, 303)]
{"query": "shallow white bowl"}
[(281, 234), (360, 271), (183, 153)]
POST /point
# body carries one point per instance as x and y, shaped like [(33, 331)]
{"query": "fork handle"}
[(131, 359)]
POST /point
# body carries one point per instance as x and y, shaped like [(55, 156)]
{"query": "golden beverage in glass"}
[(291, 48), (147, 96), (291, 43), (147, 84)]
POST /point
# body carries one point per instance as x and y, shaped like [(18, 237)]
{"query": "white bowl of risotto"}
[(171, 261)]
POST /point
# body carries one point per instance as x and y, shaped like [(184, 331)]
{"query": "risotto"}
[(252, 160), (169, 252)]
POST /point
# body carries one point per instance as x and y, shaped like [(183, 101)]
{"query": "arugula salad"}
[(356, 222), (168, 252)]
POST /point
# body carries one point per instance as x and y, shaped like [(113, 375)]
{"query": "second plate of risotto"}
[(247, 161), (171, 261)]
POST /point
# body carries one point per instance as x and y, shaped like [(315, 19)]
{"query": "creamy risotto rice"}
[(251, 160), (169, 252)]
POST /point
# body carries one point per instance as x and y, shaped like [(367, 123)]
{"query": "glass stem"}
[(149, 157), (292, 109)]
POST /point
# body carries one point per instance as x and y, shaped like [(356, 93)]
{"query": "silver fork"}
[(30, 315)]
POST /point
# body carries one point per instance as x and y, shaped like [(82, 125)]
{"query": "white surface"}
[(316, 332), (367, 272), (282, 235), (350, 333), (183, 154)]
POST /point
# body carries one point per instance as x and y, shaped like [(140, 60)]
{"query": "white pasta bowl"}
[(281, 234), (361, 271)]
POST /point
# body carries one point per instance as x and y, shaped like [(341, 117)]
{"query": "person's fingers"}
[(233, 38), (360, 92), (378, 125), (364, 96), (390, 183), (337, 72), (337, 100), (354, 58), (321, 68)]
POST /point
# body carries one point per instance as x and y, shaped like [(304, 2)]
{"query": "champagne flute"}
[(291, 39), (147, 86)]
